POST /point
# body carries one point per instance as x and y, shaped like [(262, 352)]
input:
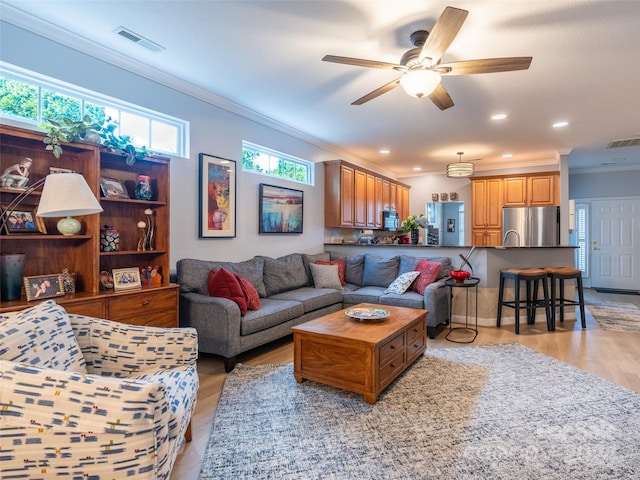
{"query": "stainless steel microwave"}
[(390, 221)]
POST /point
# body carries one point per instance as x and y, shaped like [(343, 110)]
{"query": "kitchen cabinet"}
[(49, 253), (403, 202), (531, 190), (355, 197), (487, 202)]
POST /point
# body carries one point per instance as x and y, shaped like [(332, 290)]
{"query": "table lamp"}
[(65, 195)]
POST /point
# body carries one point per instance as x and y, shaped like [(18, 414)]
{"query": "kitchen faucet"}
[(506, 234)]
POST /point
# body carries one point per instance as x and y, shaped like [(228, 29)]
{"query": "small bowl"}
[(459, 275)]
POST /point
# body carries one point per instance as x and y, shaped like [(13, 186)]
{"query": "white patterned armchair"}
[(82, 397)]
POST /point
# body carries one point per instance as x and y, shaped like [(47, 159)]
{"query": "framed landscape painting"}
[(280, 209), (217, 190)]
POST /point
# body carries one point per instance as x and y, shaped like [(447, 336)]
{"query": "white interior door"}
[(615, 243)]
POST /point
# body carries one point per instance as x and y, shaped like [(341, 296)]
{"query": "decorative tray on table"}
[(368, 314)]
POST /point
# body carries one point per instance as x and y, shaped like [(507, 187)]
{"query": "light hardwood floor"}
[(614, 356)]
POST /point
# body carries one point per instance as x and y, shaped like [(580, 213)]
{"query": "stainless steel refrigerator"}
[(530, 226)]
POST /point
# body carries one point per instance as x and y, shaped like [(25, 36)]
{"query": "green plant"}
[(68, 130), (413, 222)]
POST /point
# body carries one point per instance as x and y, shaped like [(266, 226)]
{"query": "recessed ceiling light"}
[(385, 151), (499, 116), (417, 169), (507, 155), (560, 124)]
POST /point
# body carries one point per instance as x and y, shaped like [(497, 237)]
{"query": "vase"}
[(11, 270), (143, 188), (109, 239), (415, 235)]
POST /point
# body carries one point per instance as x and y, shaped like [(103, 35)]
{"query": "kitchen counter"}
[(486, 262)]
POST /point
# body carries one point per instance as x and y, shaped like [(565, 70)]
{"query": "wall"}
[(213, 131), (601, 184)]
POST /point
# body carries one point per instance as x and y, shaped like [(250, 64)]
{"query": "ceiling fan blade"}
[(377, 92), (442, 34), (360, 62), (484, 65), (441, 98)]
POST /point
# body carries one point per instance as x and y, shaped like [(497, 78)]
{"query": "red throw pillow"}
[(429, 272), (342, 266), (250, 293), (224, 284)]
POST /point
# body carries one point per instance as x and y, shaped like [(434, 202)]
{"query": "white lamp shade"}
[(67, 194), (419, 83), (460, 169)]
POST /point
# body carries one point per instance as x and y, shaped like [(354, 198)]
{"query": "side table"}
[(467, 284)]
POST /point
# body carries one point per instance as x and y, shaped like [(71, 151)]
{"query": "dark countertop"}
[(409, 245)]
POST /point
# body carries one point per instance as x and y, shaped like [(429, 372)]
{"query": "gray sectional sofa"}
[(288, 297)]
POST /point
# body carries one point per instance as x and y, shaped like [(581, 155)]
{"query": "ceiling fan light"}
[(420, 83), (460, 169)]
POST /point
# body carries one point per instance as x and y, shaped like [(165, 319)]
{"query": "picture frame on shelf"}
[(453, 196), (217, 197), (126, 278), (22, 220), (434, 197), (113, 188), (280, 209), (444, 197), (39, 287), (60, 170)]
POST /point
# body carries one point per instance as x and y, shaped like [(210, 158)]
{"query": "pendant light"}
[(460, 169)]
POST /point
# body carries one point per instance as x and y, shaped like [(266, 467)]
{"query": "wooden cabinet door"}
[(378, 187), (542, 190), (515, 191), (393, 197), (494, 203), (347, 195), (478, 237), (386, 195), (360, 199), (479, 204), (493, 238), (403, 201)]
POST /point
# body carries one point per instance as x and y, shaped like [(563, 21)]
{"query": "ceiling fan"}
[(421, 65)]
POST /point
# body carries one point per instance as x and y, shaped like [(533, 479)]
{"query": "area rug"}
[(619, 317), (496, 411)]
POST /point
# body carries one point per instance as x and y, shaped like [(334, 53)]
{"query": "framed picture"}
[(444, 197), (113, 188), (217, 192), (126, 278), (434, 197), (280, 209), (43, 286), (451, 225), (453, 196), (22, 220)]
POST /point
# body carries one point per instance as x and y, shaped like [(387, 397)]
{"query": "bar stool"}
[(561, 274), (531, 277)]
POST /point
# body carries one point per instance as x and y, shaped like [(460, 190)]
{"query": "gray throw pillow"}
[(284, 273), (378, 271), (354, 267), (325, 276)]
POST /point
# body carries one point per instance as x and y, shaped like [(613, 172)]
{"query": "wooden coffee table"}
[(359, 356)]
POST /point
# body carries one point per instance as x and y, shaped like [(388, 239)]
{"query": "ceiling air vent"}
[(630, 142), (139, 39)]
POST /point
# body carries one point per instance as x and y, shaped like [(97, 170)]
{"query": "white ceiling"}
[(263, 58)]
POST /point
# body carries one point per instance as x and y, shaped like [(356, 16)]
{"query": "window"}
[(264, 161), (581, 238), (30, 98)]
